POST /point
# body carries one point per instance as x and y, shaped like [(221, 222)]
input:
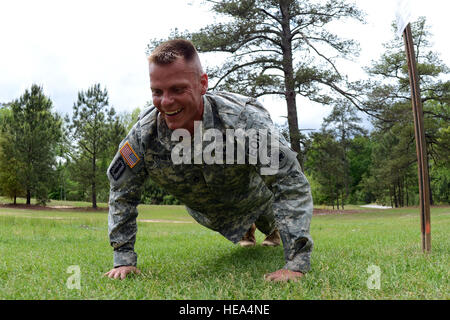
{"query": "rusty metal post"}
[(419, 130)]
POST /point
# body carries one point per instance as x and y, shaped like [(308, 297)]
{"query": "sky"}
[(67, 46)]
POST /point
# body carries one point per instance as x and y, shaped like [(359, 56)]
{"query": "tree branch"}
[(270, 15), (321, 55), (235, 68)]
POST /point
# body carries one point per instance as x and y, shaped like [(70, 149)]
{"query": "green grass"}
[(188, 261)]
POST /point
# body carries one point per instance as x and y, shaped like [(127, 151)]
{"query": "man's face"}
[(177, 90)]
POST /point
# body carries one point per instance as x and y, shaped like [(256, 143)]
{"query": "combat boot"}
[(272, 240), (249, 240)]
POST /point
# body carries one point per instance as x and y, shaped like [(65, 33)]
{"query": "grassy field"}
[(180, 259)]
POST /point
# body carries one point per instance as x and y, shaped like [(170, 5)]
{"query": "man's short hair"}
[(167, 52)]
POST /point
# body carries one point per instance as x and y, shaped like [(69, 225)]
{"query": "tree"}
[(325, 165), (359, 158), (129, 119), (29, 145), (94, 130), (10, 185), (343, 122), (277, 47), (389, 98), (389, 82)]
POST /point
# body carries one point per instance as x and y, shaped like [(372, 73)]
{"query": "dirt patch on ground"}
[(163, 221), (323, 212), (316, 212), (56, 208)]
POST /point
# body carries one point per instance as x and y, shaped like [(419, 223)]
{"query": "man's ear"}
[(204, 83)]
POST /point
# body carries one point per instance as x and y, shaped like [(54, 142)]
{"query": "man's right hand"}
[(121, 272)]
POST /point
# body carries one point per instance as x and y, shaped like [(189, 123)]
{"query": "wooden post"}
[(422, 165)]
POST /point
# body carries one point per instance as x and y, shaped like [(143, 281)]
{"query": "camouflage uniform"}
[(227, 198)]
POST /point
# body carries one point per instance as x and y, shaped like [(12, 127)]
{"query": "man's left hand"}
[(283, 275)]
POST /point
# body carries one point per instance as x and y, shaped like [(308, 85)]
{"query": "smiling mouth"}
[(172, 113)]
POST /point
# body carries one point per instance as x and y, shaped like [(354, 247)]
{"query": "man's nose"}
[(166, 100)]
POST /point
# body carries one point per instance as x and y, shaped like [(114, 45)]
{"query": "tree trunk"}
[(28, 196), (406, 192), (337, 201), (289, 83), (395, 196), (15, 199), (94, 191)]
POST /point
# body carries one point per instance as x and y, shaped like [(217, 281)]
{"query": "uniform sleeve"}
[(293, 205), (126, 175)]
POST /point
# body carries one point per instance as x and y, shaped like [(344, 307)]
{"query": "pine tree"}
[(29, 144), (389, 98), (344, 123), (278, 48), (91, 129)]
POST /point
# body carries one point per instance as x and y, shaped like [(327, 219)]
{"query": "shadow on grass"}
[(240, 261)]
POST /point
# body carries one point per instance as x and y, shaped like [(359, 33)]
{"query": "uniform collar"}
[(208, 117)]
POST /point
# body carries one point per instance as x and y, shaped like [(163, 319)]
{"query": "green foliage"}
[(129, 119), (10, 185), (154, 194), (359, 157), (440, 184), (331, 158), (170, 200), (393, 175), (96, 132), (29, 141), (393, 171), (324, 160)]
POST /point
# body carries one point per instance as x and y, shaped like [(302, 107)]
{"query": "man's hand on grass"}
[(121, 272), (283, 275)]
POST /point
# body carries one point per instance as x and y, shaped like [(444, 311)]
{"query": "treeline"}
[(346, 164), (45, 156)]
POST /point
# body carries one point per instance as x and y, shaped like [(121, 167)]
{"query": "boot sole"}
[(247, 244), (269, 244)]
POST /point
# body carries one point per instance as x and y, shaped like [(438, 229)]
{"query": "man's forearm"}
[(293, 219), (122, 229), (293, 209)]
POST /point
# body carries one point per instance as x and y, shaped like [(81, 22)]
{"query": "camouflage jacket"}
[(227, 198)]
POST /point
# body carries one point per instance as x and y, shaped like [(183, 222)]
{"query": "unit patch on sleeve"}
[(129, 155), (117, 168)]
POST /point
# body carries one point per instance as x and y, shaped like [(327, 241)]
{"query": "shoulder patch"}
[(129, 155), (117, 168)]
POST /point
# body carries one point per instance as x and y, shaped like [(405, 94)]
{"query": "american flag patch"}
[(129, 155)]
